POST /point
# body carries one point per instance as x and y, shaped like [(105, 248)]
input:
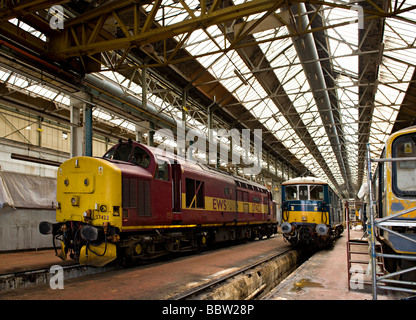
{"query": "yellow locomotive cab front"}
[(89, 190), (400, 191), (88, 210)]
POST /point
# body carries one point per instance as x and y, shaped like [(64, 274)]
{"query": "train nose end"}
[(98, 255), (286, 227), (45, 227)]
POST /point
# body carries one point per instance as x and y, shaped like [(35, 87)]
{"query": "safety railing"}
[(384, 224)]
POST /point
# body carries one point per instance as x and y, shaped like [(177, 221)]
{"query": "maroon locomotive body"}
[(165, 205)]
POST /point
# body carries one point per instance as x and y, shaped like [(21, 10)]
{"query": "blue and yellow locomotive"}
[(394, 193), (311, 212)]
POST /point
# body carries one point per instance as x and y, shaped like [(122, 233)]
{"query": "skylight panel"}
[(223, 67), (171, 12), (209, 59), (395, 74), (4, 75), (36, 89), (19, 82), (63, 99), (28, 29), (31, 87), (98, 113), (294, 80), (232, 83), (343, 43)]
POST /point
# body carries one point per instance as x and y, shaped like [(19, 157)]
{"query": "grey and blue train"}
[(312, 212)]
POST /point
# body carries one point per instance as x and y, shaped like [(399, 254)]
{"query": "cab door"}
[(162, 191), (176, 187)]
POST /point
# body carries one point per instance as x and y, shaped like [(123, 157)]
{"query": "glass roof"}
[(395, 72), (341, 31)]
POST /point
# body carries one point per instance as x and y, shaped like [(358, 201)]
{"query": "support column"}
[(144, 88), (141, 128), (181, 128), (268, 161), (275, 167), (77, 133), (88, 129), (144, 105), (139, 134), (39, 131), (81, 131), (151, 134), (212, 154)]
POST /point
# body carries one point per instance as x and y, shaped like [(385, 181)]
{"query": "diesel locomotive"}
[(394, 193), (139, 202), (311, 212)]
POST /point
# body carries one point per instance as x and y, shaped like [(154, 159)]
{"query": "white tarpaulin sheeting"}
[(26, 191), (363, 191)]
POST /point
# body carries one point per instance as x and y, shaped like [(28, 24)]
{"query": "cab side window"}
[(162, 171), (140, 157)]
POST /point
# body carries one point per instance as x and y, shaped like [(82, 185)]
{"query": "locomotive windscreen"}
[(291, 192), (119, 152), (404, 172), (316, 192), (123, 152)]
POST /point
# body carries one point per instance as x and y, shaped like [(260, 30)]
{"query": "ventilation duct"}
[(308, 56)]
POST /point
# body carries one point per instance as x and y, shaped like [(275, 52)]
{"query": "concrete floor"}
[(154, 281), (29, 260), (324, 277)]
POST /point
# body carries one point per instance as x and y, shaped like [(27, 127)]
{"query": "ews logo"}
[(219, 204)]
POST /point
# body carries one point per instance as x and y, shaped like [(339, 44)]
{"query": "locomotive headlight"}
[(102, 207), (286, 227), (321, 229), (75, 200)]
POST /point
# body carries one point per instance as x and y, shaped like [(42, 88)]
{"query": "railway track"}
[(203, 291), (256, 270)]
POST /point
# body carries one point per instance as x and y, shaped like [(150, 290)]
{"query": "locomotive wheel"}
[(254, 234), (138, 249), (202, 243)]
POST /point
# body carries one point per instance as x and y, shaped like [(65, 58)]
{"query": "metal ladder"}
[(356, 276)]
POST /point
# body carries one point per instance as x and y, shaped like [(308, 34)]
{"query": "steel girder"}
[(371, 40), (74, 40)]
